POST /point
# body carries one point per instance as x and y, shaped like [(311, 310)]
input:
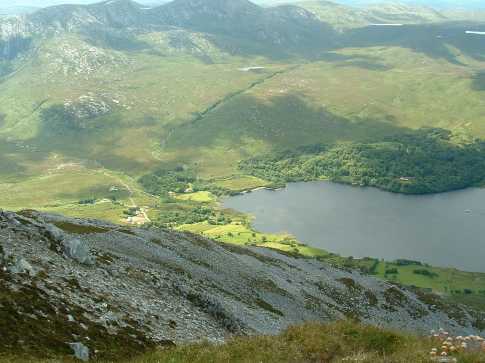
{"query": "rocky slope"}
[(283, 26), (286, 25), (303, 29), (67, 281)]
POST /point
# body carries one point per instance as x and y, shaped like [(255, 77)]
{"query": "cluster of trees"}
[(418, 162), (176, 180), (87, 201), (465, 291), (165, 181), (170, 217), (425, 272), (132, 211), (405, 262)]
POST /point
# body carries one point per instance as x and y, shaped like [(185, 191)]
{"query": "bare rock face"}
[(21, 266), (78, 251), (117, 291), (81, 352), (284, 27)]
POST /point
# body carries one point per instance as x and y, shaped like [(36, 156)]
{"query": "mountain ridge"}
[(279, 27)]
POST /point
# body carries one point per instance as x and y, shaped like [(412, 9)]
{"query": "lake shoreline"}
[(466, 211), (355, 185)]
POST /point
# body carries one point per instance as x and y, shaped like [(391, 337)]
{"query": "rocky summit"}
[(96, 289)]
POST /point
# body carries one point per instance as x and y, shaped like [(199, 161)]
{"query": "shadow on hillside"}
[(283, 121), (114, 39), (13, 47), (97, 192), (370, 66), (360, 61), (237, 46), (11, 160), (86, 139), (478, 83), (434, 40), (10, 168)]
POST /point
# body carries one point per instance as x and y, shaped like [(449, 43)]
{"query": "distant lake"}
[(442, 229)]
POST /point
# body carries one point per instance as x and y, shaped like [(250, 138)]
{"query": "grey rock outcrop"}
[(81, 352), (78, 251), (21, 266), (53, 233)]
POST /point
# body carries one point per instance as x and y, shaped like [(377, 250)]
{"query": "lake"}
[(441, 229)]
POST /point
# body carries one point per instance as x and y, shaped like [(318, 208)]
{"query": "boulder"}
[(53, 233), (78, 251), (81, 352), (21, 266)]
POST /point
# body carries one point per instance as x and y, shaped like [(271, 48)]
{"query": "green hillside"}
[(103, 100), (344, 17), (183, 92), (155, 113), (343, 341)]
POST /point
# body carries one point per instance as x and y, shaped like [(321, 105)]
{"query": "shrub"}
[(425, 272)]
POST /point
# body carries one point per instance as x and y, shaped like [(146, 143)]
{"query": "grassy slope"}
[(155, 92), (365, 93), (374, 92), (312, 342), (447, 279)]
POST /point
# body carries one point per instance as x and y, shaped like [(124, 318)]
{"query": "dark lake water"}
[(442, 229)]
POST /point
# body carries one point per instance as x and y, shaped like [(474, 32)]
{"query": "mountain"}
[(405, 13), (16, 10), (112, 14), (282, 25), (437, 4), (241, 27), (239, 17), (343, 16), (117, 291)]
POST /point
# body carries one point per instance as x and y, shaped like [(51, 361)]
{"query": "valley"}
[(133, 115)]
